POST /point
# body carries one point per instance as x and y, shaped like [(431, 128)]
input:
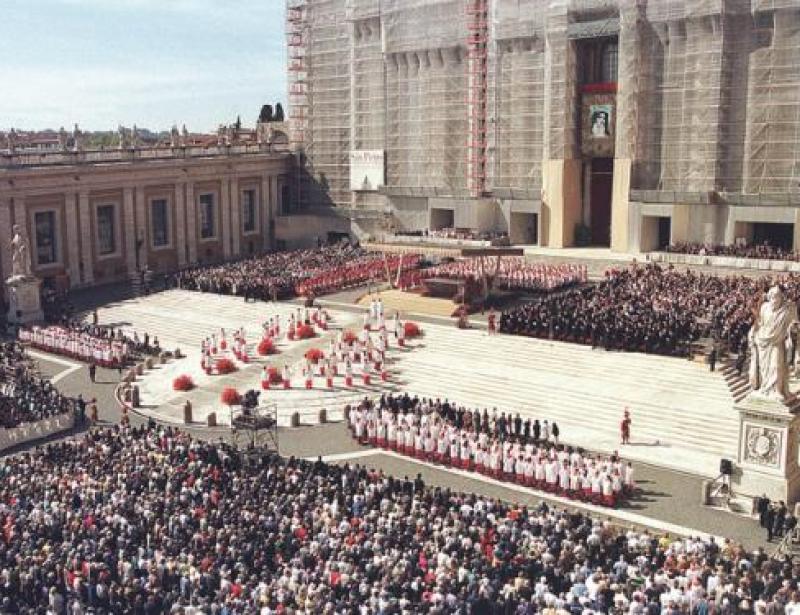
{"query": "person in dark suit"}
[(762, 505), (518, 425), (769, 521), (780, 517), (537, 430)]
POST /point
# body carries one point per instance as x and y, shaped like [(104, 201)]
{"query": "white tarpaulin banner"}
[(366, 170)]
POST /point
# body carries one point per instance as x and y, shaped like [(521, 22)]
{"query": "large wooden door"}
[(602, 182)]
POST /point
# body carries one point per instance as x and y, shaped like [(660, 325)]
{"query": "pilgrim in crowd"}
[(504, 447), (25, 397), (649, 309), (148, 521)]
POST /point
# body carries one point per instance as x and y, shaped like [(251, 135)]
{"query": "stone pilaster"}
[(236, 218), (191, 222), (277, 197), (265, 204), (87, 237), (141, 226), (5, 237), (73, 263), (225, 204), (179, 232), (129, 228)]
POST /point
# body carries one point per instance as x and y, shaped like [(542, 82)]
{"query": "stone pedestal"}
[(24, 298), (767, 461)]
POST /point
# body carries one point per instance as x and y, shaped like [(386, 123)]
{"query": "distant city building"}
[(94, 216)]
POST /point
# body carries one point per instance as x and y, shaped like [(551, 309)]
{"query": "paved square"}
[(683, 415)]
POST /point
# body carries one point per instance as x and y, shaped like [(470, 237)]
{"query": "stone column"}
[(141, 227), (634, 55), (225, 205), (191, 222), (561, 168), (73, 249), (87, 237), (129, 228), (180, 223), (265, 205), (236, 218), (5, 237)]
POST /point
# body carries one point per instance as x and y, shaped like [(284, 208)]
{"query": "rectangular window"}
[(106, 231), (207, 216), (159, 222), (45, 223), (249, 211)]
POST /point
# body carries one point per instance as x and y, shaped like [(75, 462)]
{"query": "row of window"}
[(45, 225)]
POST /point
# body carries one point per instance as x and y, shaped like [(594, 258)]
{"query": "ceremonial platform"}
[(410, 303), (683, 415)]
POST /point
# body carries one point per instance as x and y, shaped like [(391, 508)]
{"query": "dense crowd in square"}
[(147, 521), (650, 309), (282, 275), (25, 397), (758, 250)]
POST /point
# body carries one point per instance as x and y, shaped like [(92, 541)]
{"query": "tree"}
[(279, 112), (238, 123)]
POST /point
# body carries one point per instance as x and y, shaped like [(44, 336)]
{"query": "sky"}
[(153, 63)]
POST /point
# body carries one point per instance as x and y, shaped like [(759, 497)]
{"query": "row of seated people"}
[(763, 251), (425, 434), (511, 273), (155, 522), (91, 343), (370, 268), (25, 397), (649, 309), (278, 275)]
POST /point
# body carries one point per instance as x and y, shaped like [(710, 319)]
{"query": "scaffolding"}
[(477, 65), (467, 98)]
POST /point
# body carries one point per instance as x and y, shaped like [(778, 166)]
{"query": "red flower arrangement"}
[(225, 366), (274, 375), (411, 329), (349, 337), (183, 383), (305, 332), (230, 396), (266, 346), (315, 355)]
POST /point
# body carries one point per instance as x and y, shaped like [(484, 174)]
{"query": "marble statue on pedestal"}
[(770, 344), (20, 255), (22, 288)]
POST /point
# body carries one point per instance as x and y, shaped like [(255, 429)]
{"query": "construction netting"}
[(708, 92)]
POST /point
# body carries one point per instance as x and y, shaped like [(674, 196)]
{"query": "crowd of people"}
[(282, 275), (649, 309), (505, 448), (25, 397), (758, 250), (511, 273), (148, 521)]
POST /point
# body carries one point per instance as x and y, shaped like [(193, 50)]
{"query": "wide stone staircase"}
[(683, 415)]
